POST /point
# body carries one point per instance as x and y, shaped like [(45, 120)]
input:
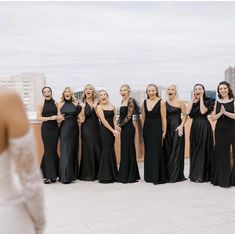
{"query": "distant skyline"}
[(111, 43)]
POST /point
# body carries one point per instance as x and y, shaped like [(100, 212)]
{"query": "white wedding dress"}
[(21, 192)]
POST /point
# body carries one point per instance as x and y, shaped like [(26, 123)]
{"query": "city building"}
[(230, 77), (28, 85)]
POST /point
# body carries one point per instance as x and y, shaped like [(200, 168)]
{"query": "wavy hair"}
[(230, 91), (94, 93), (73, 98)]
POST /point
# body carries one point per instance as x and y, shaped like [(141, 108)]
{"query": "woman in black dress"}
[(128, 169), (175, 139), (223, 170), (154, 130), (91, 142), (108, 164), (201, 136), (69, 132), (47, 113)]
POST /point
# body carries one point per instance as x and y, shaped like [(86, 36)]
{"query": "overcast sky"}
[(111, 43)]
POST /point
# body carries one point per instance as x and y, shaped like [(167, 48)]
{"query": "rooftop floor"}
[(139, 208)]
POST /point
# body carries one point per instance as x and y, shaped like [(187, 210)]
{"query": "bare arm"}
[(203, 108), (163, 116), (189, 106), (81, 115), (60, 117), (142, 115), (215, 116), (104, 121), (184, 120), (228, 114)]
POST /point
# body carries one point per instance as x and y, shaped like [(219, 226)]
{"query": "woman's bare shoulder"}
[(8, 95)]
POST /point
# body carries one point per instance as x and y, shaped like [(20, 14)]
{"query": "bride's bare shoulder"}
[(8, 94)]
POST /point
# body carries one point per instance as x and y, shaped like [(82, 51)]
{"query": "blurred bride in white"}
[(21, 192)]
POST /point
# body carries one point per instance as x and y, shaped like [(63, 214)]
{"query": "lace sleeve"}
[(25, 164), (130, 112)]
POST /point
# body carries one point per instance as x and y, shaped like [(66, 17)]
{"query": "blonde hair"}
[(102, 90), (155, 86), (73, 98), (127, 87), (94, 93), (176, 89)]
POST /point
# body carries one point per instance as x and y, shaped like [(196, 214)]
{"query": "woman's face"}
[(88, 91), (151, 91), (67, 94), (198, 91), (171, 91), (47, 93), (223, 90), (124, 92), (103, 96)]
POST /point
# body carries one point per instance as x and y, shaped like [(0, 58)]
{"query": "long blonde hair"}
[(73, 98), (94, 93)]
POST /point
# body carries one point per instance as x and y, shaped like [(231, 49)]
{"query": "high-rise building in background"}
[(28, 85), (230, 77)]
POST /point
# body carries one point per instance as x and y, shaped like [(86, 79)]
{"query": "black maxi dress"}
[(128, 169), (91, 145), (223, 171), (50, 135), (69, 132), (174, 145), (154, 162), (201, 144), (108, 164)]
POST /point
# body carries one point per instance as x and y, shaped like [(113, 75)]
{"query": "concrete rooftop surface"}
[(139, 208)]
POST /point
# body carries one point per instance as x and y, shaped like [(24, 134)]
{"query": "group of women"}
[(161, 135)]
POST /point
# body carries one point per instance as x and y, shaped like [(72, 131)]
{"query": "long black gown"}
[(174, 145), (108, 164), (223, 171), (69, 132), (91, 145), (128, 169), (154, 162), (201, 144), (50, 135)]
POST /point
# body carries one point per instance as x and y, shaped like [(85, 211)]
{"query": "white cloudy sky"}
[(110, 43)]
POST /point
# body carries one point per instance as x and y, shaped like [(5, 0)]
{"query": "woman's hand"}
[(116, 133), (180, 131), (118, 128)]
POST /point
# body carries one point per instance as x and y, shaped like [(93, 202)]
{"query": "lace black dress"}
[(223, 170), (128, 169), (154, 161), (69, 132), (108, 164), (91, 145), (50, 135), (174, 145), (201, 144)]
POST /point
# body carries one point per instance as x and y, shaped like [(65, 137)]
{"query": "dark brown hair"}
[(230, 91)]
